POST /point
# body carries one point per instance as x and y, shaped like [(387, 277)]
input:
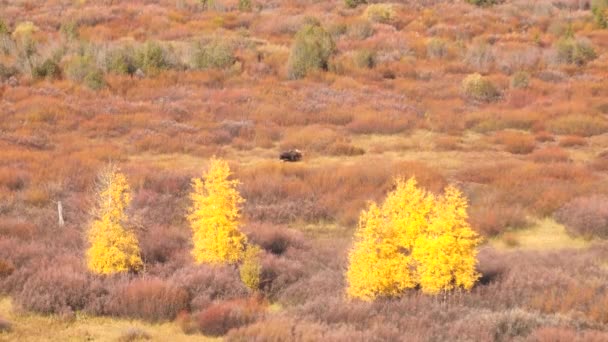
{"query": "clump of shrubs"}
[(83, 69), (580, 125), (585, 216), (121, 61), (437, 48), (520, 80), (354, 3), (151, 58), (222, 317), (479, 88), (483, 3), (365, 59), (311, 50), (216, 54), (149, 299), (380, 13), (576, 51), (599, 8), (49, 69)]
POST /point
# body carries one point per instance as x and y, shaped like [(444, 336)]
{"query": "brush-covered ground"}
[(509, 102)]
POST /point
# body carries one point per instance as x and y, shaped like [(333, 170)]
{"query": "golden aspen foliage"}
[(446, 252), (380, 263), (251, 268), (113, 248), (214, 216), (413, 239)]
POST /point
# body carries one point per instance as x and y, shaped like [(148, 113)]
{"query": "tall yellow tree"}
[(214, 216), (380, 262), (446, 253), (113, 248)]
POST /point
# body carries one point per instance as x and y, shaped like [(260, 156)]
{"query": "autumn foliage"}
[(413, 239), (113, 247), (214, 216)]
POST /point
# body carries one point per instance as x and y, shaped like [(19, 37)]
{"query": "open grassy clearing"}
[(28, 327)]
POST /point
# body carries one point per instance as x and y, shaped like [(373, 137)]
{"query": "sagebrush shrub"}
[(585, 216), (479, 88), (311, 50)]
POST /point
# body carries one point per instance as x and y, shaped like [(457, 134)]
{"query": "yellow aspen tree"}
[(113, 248), (380, 262), (445, 253), (214, 217)]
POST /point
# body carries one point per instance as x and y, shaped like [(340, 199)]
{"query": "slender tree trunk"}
[(60, 214)]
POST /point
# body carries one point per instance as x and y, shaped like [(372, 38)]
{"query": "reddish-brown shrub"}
[(494, 218), (585, 216), (17, 228), (572, 141), (149, 299), (516, 142), (55, 288), (221, 317), (550, 155), (12, 179), (544, 136), (205, 284), (578, 124), (5, 325)]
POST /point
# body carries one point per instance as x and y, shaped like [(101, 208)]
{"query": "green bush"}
[(82, 69), (520, 80), (479, 88), (69, 30), (95, 80), (483, 3), (49, 69), (216, 54), (151, 58), (354, 3), (382, 13), (245, 5), (365, 59), (574, 51), (437, 48), (6, 72), (599, 8), (311, 50), (121, 61), (79, 67), (3, 27)]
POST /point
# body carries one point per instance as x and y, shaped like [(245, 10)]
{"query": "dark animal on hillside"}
[(291, 156)]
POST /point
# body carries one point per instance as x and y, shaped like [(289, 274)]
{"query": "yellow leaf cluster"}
[(251, 268), (214, 217), (413, 239), (113, 249)]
